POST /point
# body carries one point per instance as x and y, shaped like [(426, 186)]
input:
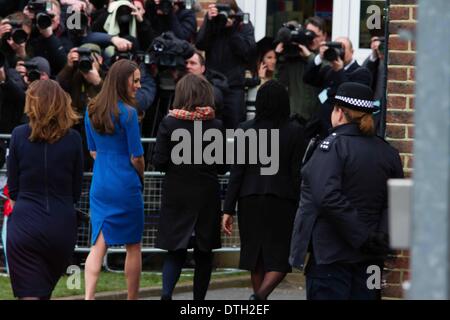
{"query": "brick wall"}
[(400, 117)]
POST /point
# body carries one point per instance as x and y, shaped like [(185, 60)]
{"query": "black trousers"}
[(233, 108), (341, 281)]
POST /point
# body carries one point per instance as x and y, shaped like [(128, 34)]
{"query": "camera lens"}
[(33, 75), (331, 54), (44, 21), (19, 36)]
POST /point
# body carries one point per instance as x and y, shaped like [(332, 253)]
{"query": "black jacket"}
[(246, 180), (343, 197), (183, 23), (227, 50), (220, 86), (12, 101), (324, 77), (191, 193)]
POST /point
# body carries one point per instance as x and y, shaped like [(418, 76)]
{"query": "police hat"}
[(355, 96)]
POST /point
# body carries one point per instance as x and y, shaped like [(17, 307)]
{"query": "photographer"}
[(14, 33), (12, 99), (333, 66), (229, 44), (49, 39), (34, 69), (196, 65), (293, 57), (168, 15), (376, 64)]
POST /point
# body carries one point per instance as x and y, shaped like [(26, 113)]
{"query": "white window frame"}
[(258, 15)]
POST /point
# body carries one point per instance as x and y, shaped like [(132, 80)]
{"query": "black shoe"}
[(254, 297), (166, 298)]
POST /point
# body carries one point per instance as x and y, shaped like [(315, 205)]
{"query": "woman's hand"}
[(227, 224), (262, 72)]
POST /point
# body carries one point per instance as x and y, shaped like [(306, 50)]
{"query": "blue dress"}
[(117, 207)]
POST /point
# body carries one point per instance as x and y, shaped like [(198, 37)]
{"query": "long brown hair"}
[(103, 109), (362, 119), (49, 109), (193, 91)]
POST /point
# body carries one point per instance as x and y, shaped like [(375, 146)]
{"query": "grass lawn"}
[(111, 281)]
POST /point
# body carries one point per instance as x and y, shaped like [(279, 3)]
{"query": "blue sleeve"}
[(13, 168), (99, 38), (133, 135), (146, 94), (89, 135)]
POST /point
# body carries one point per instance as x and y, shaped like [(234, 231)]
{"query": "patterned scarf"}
[(200, 114)]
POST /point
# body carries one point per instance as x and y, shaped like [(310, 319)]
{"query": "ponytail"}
[(363, 120)]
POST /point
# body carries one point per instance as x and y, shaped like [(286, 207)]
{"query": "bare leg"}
[(133, 268), (94, 266)]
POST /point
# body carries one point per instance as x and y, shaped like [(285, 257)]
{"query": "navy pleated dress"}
[(117, 206), (44, 180)]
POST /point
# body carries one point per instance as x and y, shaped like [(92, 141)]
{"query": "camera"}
[(291, 35), (33, 72), (86, 60), (335, 50), (41, 9), (166, 6), (225, 13), (17, 34), (168, 51)]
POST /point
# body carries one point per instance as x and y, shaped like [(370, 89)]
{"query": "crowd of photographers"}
[(76, 41)]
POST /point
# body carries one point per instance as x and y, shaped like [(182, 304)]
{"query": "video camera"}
[(225, 13), (33, 72), (335, 50), (291, 35), (86, 60), (166, 6), (167, 51), (140, 57), (17, 34), (41, 9)]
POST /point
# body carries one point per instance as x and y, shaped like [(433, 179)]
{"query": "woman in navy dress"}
[(44, 179), (117, 207)]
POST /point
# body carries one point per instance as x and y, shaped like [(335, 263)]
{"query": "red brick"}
[(392, 291), (399, 74), (402, 58), (395, 27), (406, 276), (399, 117), (413, 46), (410, 162), (396, 102), (402, 147), (395, 43), (412, 74), (412, 102), (411, 132), (401, 88), (399, 13), (396, 132), (414, 16), (392, 277)]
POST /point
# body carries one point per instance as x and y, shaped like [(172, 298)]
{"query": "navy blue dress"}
[(45, 181), (117, 206)]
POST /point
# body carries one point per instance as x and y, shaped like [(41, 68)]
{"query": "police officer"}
[(342, 217)]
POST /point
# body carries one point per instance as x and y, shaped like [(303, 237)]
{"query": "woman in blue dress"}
[(117, 207)]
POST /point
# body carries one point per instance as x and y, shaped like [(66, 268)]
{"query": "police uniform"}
[(342, 217)]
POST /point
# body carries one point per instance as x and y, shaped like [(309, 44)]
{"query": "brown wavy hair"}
[(103, 109), (49, 109), (193, 91), (362, 119)]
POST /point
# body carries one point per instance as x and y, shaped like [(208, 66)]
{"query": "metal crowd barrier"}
[(152, 203)]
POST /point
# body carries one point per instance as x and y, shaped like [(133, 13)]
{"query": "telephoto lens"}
[(85, 62)]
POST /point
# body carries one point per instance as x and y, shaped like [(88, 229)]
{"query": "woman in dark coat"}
[(190, 208), (267, 203), (44, 179)]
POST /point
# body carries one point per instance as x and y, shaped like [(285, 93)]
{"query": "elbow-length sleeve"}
[(135, 149), (89, 135)]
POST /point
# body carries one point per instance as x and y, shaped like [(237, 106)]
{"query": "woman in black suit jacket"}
[(267, 203), (190, 208)]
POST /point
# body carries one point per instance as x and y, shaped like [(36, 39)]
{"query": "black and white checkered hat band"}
[(356, 102)]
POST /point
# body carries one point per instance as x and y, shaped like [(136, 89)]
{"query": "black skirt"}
[(265, 227)]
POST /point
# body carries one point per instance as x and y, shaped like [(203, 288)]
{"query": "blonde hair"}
[(49, 109), (364, 120)]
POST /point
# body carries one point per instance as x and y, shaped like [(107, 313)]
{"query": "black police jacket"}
[(343, 197)]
